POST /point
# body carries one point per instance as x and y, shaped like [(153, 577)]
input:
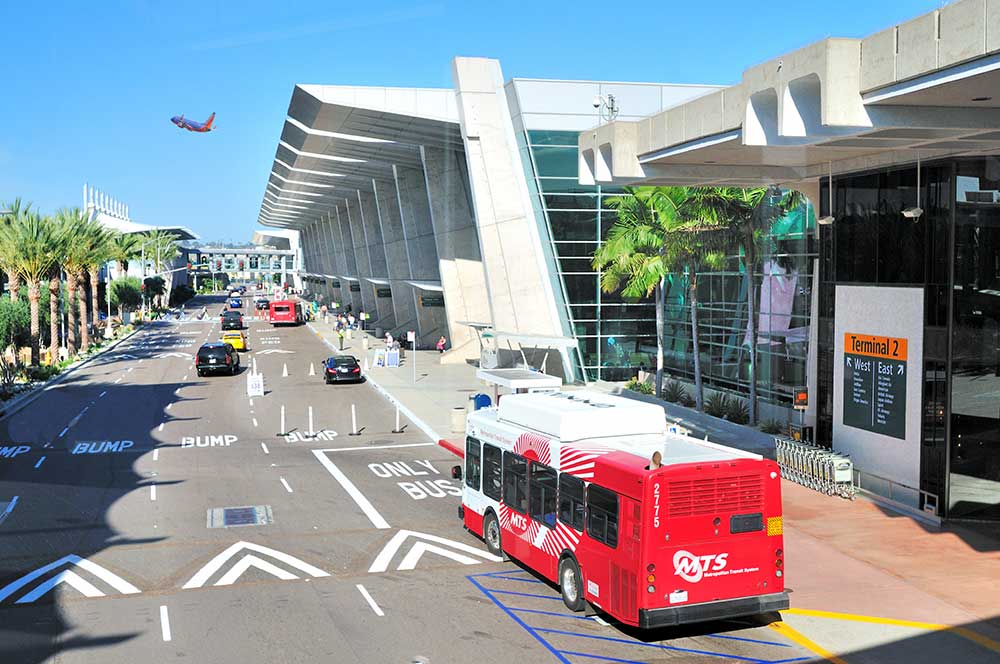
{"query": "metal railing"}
[(816, 467), (900, 495)]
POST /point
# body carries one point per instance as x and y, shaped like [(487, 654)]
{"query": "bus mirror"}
[(456, 472)]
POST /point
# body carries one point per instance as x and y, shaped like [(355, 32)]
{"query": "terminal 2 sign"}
[(875, 383)]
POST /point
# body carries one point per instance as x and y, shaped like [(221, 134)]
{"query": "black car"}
[(232, 320), (217, 357), (340, 368), (262, 304)]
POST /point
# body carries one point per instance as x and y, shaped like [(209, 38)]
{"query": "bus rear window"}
[(281, 309), (602, 515)]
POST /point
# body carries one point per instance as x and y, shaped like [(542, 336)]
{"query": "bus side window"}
[(602, 515), (571, 504), (491, 471), (515, 482), (542, 484), (473, 461)]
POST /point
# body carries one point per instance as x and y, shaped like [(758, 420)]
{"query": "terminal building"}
[(895, 138), (457, 210)]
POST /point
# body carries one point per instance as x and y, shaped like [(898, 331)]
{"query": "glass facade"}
[(951, 252), (784, 291), (616, 335)]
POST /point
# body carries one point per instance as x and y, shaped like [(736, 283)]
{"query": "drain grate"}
[(229, 517)]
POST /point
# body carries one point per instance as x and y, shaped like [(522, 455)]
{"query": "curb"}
[(20, 402), (410, 415)]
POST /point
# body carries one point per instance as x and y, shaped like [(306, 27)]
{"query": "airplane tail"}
[(211, 119)]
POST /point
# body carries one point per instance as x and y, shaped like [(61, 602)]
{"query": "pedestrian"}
[(656, 461), (323, 310), (340, 334), (350, 320), (388, 339), (441, 343)]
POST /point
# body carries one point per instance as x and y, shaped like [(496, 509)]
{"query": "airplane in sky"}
[(191, 125)]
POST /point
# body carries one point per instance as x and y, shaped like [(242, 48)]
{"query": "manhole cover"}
[(229, 517)]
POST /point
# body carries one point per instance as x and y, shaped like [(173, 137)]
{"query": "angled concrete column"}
[(459, 261), (355, 216), (384, 316), (397, 262), (351, 297)]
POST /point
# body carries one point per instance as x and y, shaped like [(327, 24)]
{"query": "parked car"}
[(236, 339), (217, 357), (232, 320), (341, 368), (262, 304)]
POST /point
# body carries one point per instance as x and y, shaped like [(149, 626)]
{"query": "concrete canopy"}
[(918, 90)]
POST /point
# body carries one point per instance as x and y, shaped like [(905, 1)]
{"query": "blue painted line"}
[(505, 571), (520, 622), (604, 658), (514, 592), (550, 613), (633, 642), (792, 659), (746, 640), (515, 578)]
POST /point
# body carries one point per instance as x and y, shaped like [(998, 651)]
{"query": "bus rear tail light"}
[(651, 578), (229, 360), (650, 568), (651, 589)]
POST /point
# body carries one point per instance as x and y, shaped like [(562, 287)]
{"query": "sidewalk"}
[(847, 561)]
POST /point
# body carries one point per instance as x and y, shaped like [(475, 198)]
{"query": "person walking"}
[(441, 344)]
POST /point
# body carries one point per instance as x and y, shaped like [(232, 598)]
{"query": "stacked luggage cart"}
[(816, 467)]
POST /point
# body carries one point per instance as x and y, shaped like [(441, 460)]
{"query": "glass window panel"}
[(581, 288), (570, 201), (576, 249), (571, 502), (491, 471), (542, 483), (602, 515), (559, 162), (565, 186), (573, 225), (473, 461), (515, 482), (552, 137)]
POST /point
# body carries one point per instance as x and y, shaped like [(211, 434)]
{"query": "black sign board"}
[(875, 384), (383, 292)]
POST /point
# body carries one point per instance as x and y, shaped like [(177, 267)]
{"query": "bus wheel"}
[(491, 535), (570, 585)]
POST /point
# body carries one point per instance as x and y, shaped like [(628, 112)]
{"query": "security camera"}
[(597, 101), (913, 213)]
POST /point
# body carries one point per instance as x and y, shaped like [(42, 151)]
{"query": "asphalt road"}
[(115, 552)]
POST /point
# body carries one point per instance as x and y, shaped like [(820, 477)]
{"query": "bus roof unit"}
[(571, 416)]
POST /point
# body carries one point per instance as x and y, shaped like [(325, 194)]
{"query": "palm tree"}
[(92, 240), (14, 211), (75, 223), (101, 253), (124, 247), (637, 255), (30, 247), (745, 215)]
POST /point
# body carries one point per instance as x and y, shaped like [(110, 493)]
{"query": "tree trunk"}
[(750, 254), (81, 294), (699, 398), (659, 337), (70, 305), (94, 304), (34, 296), (14, 285), (54, 317)]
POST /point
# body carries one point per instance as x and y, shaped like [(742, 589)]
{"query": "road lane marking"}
[(374, 447), (797, 637), (152, 492), (185, 377), (266, 451), (251, 403), (156, 454), (285, 483), (169, 405), (102, 394), (40, 462), (10, 508), (130, 369), (373, 514), (370, 600), (255, 421), (118, 380), (165, 623), (63, 433), (160, 428)]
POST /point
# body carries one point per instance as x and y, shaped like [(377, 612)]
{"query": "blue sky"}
[(90, 87)]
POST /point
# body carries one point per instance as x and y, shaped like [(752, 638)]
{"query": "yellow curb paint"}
[(963, 632), (801, 639)]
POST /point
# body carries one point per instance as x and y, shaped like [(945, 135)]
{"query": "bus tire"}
[(571, 585), (491, 535)]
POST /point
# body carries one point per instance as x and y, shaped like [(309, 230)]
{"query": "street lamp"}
[(606, 106)]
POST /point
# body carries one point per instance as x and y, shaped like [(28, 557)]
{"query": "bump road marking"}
[(371, 601)]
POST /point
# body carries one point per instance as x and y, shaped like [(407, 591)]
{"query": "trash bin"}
[(458, 420), (379, 333)]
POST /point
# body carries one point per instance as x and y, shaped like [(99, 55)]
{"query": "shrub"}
[(772, 426), (737, 411), (126, 293), (41, 373), (675, 392), (717, 405), (636, 386)]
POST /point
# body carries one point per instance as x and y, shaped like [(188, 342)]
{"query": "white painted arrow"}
[(125, 356), (215, 564), (381, 562), (163, 355), (271, 351), (70, 577)]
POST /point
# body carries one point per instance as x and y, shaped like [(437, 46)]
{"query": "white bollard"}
[(284, 371), (312, 369), (311, 431), (354, 422), (366, 363), (282, 432), (397, 429), (255, 365)]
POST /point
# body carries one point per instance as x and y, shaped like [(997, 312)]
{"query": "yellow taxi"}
[(234, 338)]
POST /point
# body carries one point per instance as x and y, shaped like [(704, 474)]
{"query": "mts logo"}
[(692, 568), (518, 521)]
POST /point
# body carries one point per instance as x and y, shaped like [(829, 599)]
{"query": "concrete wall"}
[(396, 258)]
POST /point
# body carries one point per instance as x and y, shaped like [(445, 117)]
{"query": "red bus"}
[(286, 312), (561, 481)]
